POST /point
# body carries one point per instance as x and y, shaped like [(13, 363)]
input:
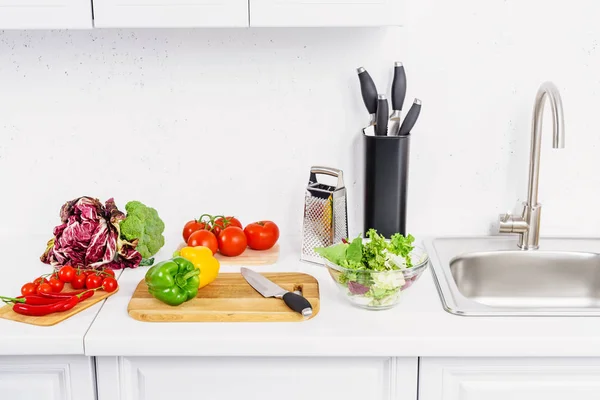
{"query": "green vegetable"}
[(402, 246), (144, 225), (335, 253), (367, 265), (173, 281)]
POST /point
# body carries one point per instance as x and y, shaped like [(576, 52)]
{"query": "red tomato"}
[(191, 227), (262, 235), (78, 281), (221, 223), (28, 289), (232, 241), (56, 284), (203, 238), (107, 272), (93, 282), (40, 280), (109, 284), (66, 273), (44, 288)]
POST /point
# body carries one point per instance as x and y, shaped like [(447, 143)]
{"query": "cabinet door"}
[(156, 378), (320, 13), (170, 14), (45, 14), (47, 378), (509, 378)]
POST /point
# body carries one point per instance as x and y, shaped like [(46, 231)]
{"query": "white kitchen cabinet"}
[(47, 378), (169, 14), (324, 13), (509, 378), (45, 14), (297, 378)]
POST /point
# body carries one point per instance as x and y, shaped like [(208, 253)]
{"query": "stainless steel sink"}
[(488, 276)]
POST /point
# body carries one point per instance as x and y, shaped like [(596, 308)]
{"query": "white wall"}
[(194, 121)]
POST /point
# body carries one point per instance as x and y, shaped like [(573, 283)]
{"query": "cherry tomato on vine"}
[(66, 273), (40, 280), (109, 284), (28, 289), (204, 238), (107, 272), (56, 284), (93, 282), (78, 281), (44, 288)]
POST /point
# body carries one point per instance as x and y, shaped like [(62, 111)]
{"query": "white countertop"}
[(417, 327)]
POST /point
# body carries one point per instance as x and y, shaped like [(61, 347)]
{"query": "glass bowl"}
[(377, 290)]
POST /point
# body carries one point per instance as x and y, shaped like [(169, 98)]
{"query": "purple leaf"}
[(357, 288)]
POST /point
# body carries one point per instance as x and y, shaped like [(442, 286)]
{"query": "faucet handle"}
[(506, 217)]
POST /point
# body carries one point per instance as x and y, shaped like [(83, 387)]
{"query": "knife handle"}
[(411, 118), (398, 87), (368, 90), (381, 120), (298, 304)]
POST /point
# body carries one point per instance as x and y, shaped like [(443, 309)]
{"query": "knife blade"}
[(368, 91), (411, 118), (398, 95), (268, 288), (381, 123)]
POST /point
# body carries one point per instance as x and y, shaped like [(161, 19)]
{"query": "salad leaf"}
[(374, 256), (336, 253), (402, 246), (354, 253)]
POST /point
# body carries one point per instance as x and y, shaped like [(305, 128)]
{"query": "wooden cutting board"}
[(249, 257), (6, 312), (228, 299)]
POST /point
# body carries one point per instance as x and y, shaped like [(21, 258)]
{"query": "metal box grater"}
[(325, 213)]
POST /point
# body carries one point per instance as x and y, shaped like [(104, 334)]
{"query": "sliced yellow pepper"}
[(203, 259)]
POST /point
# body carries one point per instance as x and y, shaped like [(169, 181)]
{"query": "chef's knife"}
[(398, 95), (369, 92), (269, 289), (411, 118), (381, 120)]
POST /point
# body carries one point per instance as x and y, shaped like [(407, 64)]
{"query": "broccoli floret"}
[(144, 224)]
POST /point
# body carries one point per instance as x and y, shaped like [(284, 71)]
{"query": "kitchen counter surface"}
[(417, 327), (21, 264)]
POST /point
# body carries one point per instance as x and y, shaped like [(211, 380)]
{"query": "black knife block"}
[(386, 183)]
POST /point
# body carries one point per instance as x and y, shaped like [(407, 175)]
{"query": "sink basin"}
[(491, 276)]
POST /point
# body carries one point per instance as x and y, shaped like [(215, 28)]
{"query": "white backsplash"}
[(229, 121)]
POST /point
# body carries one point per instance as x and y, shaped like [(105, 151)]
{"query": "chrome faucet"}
[(528, 224)]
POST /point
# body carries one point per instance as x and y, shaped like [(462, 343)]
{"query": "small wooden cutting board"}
[(6, 312), (249, 257), (228, 299)]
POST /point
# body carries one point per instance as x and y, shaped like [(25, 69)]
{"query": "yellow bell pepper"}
[(203, 259)]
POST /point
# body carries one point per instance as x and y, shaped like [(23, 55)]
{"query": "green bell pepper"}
[(173, 281)]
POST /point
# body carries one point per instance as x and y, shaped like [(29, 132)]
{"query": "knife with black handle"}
[(268, 288), (381, 120), (398, 95), (368, 91), (411, 118)]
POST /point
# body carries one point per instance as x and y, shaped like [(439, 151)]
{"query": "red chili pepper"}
[(38, 311), (59, 306), (30, 299), (63, 295)]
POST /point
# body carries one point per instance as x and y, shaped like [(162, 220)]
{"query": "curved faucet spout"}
[(528, 224), (550, 91)]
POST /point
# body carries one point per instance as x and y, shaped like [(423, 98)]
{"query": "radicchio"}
[(89, 237), (357, 288)]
